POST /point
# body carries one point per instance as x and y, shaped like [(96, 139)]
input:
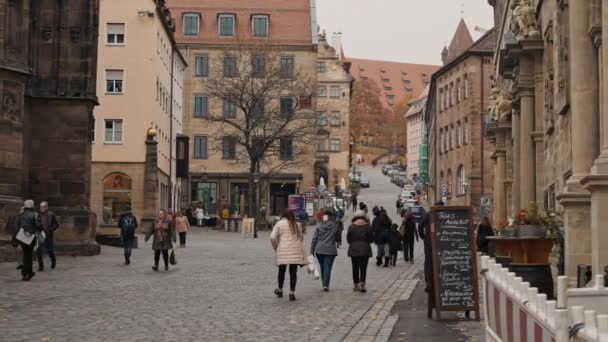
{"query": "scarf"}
[(160, 228)]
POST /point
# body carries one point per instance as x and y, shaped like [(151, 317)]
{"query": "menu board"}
[(454, 259)]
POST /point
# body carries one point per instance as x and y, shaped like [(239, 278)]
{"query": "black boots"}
[(53, 260), (127, 259), (378, 261), (387, 260)]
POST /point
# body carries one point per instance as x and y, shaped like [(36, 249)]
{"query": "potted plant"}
[(532, 222), (506, 228)]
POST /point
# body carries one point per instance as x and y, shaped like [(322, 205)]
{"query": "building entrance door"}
[(279, 194)]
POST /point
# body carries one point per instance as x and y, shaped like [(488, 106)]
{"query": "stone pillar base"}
[(598, 186), (77, 248), (76, 233), (577, 231), (9, 210)]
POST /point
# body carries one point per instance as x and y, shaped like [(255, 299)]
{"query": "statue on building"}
[(523, 20), (501, 104)]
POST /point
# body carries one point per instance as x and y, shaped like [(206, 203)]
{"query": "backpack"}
[(128, 226)]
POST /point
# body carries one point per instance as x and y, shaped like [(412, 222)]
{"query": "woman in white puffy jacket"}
[(287, 239)]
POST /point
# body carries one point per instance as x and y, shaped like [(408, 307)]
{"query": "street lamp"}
[(256, 180), (298, 180)]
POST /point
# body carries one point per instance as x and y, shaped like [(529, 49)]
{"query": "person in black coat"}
[(360, 237), (409, 236), (395, 243), (382, 237), (27, 226), (424, 231), (483, 231)]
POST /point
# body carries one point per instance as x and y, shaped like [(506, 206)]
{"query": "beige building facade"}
[(460, 171), (140, 87), (414, 117), (332, 159), (205, 30), (549, 119)]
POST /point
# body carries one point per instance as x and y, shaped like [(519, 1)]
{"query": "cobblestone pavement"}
[(221, 290)]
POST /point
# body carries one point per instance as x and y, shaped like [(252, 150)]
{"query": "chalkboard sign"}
[(454, 260)]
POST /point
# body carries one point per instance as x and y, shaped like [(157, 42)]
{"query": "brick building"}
[(48, 65), (138, 59), (549, 119), (205, 29), (460, 171), (333, 108)]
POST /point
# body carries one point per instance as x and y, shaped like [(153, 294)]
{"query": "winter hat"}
[(360, 214)]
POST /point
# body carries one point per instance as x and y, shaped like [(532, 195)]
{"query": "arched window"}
[(461, 180), (116, 196), (450, 182)]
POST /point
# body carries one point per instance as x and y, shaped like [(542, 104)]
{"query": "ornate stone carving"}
[(549, 79), (11, 103), (75, 33), (501, 104), (562, 99), (523, 20)]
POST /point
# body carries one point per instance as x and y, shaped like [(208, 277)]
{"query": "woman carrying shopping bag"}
[(287, 239), (323, 245)]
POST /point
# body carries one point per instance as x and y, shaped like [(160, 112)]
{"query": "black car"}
[(417, 213)]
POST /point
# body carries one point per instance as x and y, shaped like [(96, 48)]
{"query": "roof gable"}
[(461, 41)]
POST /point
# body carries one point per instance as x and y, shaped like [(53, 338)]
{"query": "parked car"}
[(364, 182), (388, 167), (417, 213)]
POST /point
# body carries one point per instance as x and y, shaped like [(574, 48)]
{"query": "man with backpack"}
[(127, 224)]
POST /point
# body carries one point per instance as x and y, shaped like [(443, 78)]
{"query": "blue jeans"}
[(326, 262)]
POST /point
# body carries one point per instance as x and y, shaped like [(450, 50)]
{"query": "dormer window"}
[(259, 25), (226, 25), (191, 24)]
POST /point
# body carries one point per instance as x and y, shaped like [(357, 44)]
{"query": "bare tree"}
[(266, 121), (366, 110)]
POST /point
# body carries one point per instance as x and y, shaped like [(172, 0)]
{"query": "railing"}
[(514, 311)]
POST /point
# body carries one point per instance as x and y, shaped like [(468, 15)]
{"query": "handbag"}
[(25, 237), (172, 260), (312, 267)]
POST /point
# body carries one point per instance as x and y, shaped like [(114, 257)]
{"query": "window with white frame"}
[(226, 25), (113, 131), (115, 33), (461, 180), (259, 25), (335, 118), (191, 24), (334, 91), (114, 81), (321, 118), (201, 65), (321, 67), (322, 91), (334, 145)]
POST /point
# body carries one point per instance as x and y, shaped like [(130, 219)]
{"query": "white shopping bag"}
[(311, 268)]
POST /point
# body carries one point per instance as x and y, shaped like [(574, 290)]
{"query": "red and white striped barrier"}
[(516, 312)]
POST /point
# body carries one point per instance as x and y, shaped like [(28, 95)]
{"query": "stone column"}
[(500, 198), (527, 176), (515, 191), (151, 195), (585, 137), (597, 182)]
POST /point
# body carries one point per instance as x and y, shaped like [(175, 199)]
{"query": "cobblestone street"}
[(221, 290)]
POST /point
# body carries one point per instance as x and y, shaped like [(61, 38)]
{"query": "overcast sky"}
[(412, 31)]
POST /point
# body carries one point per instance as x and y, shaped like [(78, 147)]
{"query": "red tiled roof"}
[(403, 78), (290, 20)]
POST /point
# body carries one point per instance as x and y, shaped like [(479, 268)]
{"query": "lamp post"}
[(256, 180), (298, 180)]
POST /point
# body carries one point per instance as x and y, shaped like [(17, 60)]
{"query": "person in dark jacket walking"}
[(483, 231), (127, 224), (164, 236), (354, 202), (360, 237), (382, 237), (408, 235), (27, 226), (395, 244), (424, 231), (49, 223), (323, 245)]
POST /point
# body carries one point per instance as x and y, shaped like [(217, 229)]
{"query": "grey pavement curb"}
[(377, 324)]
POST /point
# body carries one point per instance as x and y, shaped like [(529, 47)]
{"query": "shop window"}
[(206, 194), (116, 196)]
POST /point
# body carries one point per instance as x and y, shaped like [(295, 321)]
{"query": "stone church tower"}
[(48, 63)]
